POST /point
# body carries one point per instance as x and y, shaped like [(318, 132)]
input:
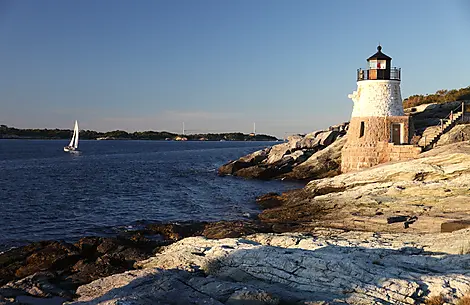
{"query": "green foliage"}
[(440, 97)]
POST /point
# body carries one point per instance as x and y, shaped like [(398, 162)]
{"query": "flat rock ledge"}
[(327, 266)]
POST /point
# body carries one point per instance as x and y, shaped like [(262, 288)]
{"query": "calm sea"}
[(46, 193)]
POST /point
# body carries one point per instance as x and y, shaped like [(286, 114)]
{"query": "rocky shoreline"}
[(392, 234), (389, 234)]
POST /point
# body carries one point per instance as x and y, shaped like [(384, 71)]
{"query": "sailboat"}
[(73, 145)]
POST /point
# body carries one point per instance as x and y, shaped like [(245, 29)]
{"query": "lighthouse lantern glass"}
[(377, 64)]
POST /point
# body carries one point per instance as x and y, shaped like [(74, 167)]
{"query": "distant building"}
[(379, 130)]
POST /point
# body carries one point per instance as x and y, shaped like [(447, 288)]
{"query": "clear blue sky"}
[(216, 65)]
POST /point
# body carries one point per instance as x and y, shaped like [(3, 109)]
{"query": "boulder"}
[(269, 200), (257, 172), (321, 164), (233, 166), (277, 152), (294, 141), (256, 157), (298, 155), (327, 137), (280, 159), (310, 143), (266, 172), (37, 285), (342, 128), (458, 133), (52, 255), (231, 229), (176, 231)]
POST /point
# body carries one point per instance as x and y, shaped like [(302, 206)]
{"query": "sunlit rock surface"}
[(325, 267), (312, 156)]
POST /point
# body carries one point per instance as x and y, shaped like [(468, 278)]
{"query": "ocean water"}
[(46, 193)]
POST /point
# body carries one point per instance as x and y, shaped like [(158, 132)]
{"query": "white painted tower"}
[(378, 122)]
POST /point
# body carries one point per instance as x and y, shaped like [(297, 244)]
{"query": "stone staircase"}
[(432, 134)]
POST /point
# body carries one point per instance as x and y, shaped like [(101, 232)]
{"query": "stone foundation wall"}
[(358, 156), (402, 152), (377, 129)]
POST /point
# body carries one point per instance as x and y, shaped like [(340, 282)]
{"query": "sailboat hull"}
[(70, 149)]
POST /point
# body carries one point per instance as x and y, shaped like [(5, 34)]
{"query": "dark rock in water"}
[(176, 231), (452, 226), (266, 172), (262, 172), (85, 271), (297, 207), (269, 200), (47, 255), (256, 157), (233, 166), (56, 269), (256, 172), (233, 229)]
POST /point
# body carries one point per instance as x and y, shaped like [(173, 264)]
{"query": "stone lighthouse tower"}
[(379, 130)]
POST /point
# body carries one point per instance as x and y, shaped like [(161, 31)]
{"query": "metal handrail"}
[(448, 117), (363, 74)]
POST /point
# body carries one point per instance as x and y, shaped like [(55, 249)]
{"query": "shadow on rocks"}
[(270, 275), (56, 268)]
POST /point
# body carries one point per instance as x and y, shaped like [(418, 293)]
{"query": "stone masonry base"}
[(358, 156)]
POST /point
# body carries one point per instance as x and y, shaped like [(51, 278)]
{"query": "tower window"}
[(361, 131)]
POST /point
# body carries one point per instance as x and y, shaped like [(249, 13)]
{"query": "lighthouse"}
[(379, 130)]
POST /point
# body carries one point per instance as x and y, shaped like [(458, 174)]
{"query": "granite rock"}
[(324, 267)]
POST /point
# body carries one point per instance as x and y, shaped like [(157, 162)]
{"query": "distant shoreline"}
[(128, 139), (63, 134)]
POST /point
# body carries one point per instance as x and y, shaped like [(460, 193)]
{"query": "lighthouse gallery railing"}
[(363, 74)]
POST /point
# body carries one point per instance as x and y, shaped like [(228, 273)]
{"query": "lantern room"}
[(379, 68)]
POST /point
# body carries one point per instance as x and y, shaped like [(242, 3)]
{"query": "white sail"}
[(73, 145), (75, 136), (72, 140)]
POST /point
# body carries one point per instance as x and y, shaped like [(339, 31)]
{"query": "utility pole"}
[(183, 129)]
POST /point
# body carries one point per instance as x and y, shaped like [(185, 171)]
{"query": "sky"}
[(216, 65)]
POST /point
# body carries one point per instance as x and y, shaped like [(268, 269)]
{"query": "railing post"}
[(451, 115), (463, 110)]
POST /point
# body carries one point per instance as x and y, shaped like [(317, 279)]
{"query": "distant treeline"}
[(15, 133), (440, 97)]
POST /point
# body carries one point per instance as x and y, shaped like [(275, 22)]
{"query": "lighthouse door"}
[(396, 133)]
